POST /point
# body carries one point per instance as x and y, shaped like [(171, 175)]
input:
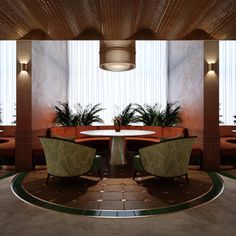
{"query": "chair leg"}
[(134, 175), (48, 177), (99, 174), (187, 179)]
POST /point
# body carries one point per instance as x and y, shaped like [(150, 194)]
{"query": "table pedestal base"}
[(117, 155)]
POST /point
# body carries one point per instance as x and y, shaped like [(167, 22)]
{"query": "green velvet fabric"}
[(169, 158), (67, 159)]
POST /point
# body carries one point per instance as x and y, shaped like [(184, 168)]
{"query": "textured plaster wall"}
[(49, 82), (186, 83)]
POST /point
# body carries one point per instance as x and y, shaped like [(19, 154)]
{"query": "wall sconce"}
[(211, 67), (23, 67)]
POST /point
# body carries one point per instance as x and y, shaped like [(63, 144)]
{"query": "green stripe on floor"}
[(226, 174), (214, 192), (8, 174)]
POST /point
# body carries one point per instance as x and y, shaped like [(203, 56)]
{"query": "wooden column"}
[(38, 90), (23, 152), (211, 137)]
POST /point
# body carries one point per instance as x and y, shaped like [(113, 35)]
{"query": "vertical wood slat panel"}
[(23, 153), (211, 140)]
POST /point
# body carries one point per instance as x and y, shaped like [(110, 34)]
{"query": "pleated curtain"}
[(8, 81), (88, 84), (227, 81)]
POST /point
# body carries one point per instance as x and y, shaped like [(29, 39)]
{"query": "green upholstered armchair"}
[(65, 158), (169, 158)]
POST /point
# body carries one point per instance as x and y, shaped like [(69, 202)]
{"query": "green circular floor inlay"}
[(214, 192)]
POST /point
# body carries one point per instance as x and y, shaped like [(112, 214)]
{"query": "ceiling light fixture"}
[(117, 55)]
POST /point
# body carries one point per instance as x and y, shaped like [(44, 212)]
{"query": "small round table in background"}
[(117, 147)]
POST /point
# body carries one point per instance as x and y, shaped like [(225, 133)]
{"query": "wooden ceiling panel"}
[(118, 19)]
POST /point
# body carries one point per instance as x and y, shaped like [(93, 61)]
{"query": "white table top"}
[(113, 133)]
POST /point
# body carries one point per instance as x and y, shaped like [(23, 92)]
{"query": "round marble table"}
[(117, 147)]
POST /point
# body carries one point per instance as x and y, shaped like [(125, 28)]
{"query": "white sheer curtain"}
[(88, 84), (8, 81), (227, 81)]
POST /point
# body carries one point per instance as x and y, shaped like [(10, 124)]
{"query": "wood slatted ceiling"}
[(118, 19)]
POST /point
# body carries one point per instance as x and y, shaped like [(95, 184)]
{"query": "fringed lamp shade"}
[(117, 55)]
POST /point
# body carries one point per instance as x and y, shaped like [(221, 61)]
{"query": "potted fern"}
[(82, 117), (154, 116), (171, 114), (64, 115), (127, 116), (148, 115), (88, 115)]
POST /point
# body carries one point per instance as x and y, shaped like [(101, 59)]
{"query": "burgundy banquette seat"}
[(228, 144), (102, 143), (7, 144)]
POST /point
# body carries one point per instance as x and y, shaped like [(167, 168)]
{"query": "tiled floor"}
[(217, 218), (5, 172), (114, 192), (229, 173)]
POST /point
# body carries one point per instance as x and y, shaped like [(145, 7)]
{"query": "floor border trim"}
[(214, 192), (8, 174)]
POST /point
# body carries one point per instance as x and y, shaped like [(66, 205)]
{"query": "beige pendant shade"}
[(117, 55)]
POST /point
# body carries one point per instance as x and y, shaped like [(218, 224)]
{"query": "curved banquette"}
[(74, 133), (7, 149), (228, 144), (7, 144)]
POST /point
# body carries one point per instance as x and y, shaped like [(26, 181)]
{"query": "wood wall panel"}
[(38, 91), (211, 150), (23, 154)]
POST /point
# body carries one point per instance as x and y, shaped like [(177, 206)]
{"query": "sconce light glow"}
[(211, 67), (23, 67)]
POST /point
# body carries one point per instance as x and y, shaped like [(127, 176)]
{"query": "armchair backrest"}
[(169, 158), (65, 158)]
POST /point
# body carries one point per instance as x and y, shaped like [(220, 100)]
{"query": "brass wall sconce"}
[(211, 67), (24, 67)]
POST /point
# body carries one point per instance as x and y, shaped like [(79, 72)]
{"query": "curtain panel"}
[(227, 81), (88, 84), (8, 82)]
